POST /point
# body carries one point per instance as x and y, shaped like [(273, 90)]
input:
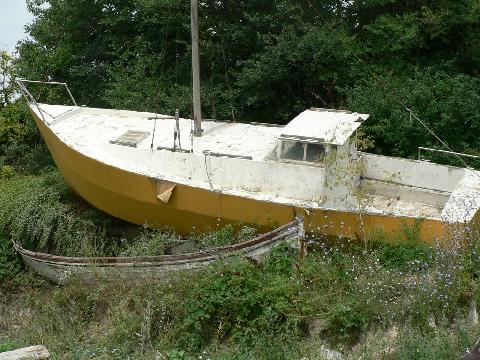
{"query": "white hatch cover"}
[(323, 126), (130, 138)]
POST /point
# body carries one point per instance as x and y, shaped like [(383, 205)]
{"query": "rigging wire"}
[(176, 43), (154, 129), (393, 96), (155, 120), (227, 80)]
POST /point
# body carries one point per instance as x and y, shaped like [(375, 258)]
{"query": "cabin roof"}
[(324, 126)]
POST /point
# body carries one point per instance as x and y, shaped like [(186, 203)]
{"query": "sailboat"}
[(193, 174)]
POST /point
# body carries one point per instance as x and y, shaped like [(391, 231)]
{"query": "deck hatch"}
[(131, 138)]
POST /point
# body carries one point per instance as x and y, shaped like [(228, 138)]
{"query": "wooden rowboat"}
[(61, 269)]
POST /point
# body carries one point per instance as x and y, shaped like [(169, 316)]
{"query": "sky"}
[(13, 17)]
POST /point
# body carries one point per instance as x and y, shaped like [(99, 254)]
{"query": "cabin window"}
[(315, 153), (292, 150), (302, 151)]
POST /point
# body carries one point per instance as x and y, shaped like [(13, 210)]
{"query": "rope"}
[(207, 172)]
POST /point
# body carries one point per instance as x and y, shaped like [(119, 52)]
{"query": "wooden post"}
[(301, 238)]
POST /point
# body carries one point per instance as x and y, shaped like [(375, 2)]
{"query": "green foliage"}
[(16, 124), (20, 143), (267, 61), (176, 355), (217, 238), (348, 320), (38, 213), (7, 172), (151, 242), (7, 74), (416, 345), (401, 251), (225, 235), (7, 346), (241, 302), (401, 255), (339, 296), (449, 104), (27, 159), (9, 262)]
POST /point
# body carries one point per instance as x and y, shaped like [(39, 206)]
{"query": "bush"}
[(27, 159), (7, 172), (7, 346), (260, 310), (348, 320), (151, 243), (10, 264), (240, 301), (17, 125)]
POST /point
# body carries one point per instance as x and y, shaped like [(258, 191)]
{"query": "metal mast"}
[(197, 105)]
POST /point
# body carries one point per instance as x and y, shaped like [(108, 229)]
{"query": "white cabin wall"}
[(222, 173), (412, 173), (342, 177)]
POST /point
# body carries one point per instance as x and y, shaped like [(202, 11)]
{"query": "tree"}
[(16, 125), (7, 88), (268, 60)]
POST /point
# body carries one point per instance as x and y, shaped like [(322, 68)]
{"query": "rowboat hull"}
[(133, 197), (61, 269)]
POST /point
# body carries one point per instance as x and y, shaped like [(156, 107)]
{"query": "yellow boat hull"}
[(133, 197)]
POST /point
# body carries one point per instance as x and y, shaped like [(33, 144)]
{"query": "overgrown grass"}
[(281, 308), (398, 299), (41, 213)]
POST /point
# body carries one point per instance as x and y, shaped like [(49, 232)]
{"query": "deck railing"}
[(455, 154), (31, 99)]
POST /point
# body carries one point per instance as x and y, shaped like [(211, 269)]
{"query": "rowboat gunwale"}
[(294, 228), (63, 269)]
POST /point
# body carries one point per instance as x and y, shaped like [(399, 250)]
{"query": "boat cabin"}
[(317, 136)]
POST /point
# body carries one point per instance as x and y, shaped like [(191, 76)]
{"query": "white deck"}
[(89, 131), (85, 126)]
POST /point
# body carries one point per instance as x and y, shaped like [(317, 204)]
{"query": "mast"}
[(197, 105)]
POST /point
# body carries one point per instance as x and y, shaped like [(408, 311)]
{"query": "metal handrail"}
[(216, 154), (445, 152), (51, 83), (31, 99)]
